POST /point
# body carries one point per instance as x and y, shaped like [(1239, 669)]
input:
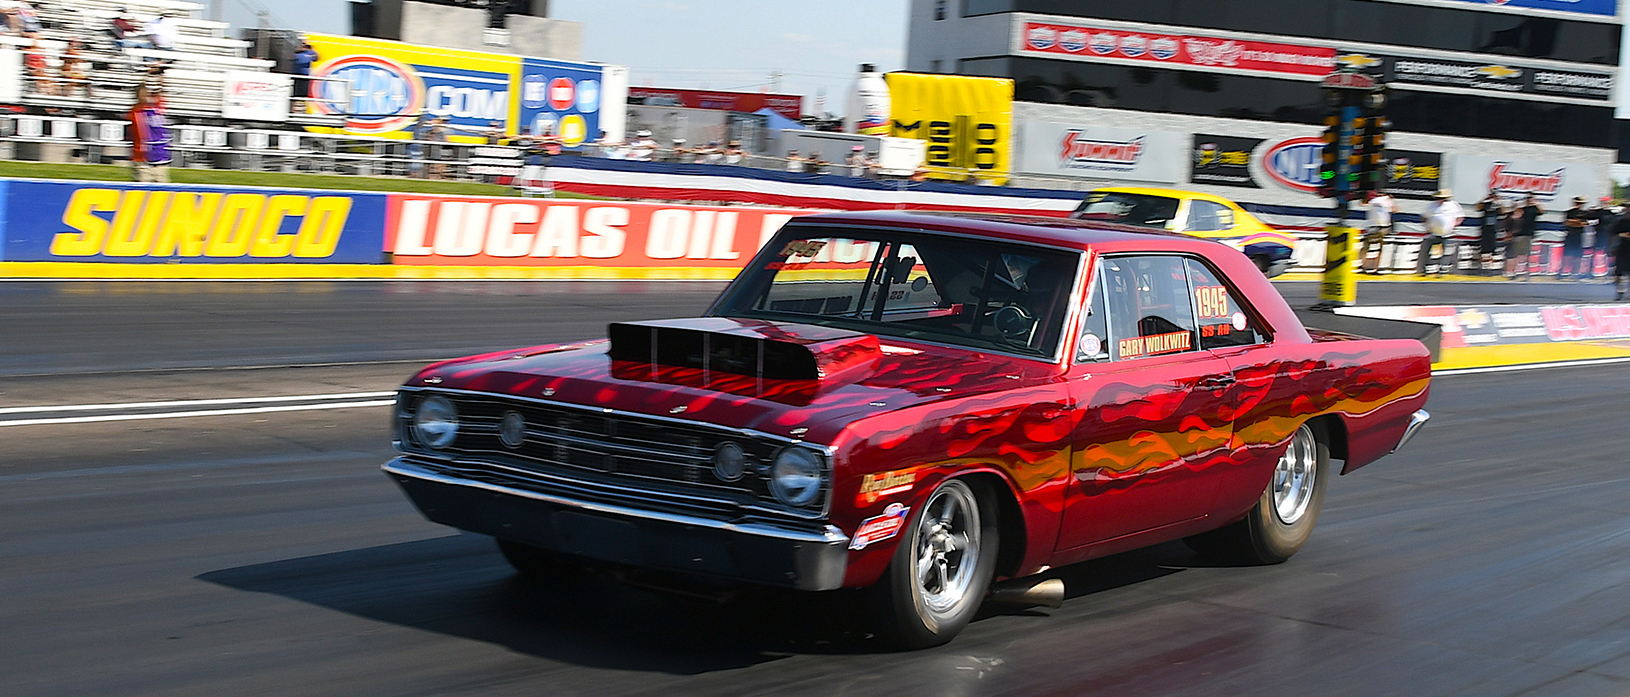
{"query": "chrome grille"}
[(653, 461)]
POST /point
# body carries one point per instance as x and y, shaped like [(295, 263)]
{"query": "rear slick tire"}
[(1283, 518), (940, 570)]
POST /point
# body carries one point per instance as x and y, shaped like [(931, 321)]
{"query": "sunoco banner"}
[(1062, 149), (158, 224)]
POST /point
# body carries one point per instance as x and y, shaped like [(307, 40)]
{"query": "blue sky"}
[(717, 44)]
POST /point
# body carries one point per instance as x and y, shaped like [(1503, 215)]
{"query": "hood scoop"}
[(747, 348)]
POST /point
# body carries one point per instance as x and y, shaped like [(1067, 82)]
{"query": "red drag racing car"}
[(921, 405)]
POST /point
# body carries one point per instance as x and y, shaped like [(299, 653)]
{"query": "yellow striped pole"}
[(1340, 286)]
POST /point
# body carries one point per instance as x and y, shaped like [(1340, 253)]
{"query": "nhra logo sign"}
[(1502, 180), (1294, 163), (379, 94), (1079, 152)]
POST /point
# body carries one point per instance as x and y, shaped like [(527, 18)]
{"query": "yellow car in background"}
[(1197, 214)]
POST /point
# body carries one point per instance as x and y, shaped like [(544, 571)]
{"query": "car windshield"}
[(981, 294), (1130, 209)]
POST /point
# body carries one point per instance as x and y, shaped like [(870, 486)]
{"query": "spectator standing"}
[(76, 70), (10, 23), (1378, 212), (300, 64), (28, 19), (856, 161), (126, 33), (1621, 262), (163, 31), (642, 148), (1440, 218), (149, 139), (38, 67), (1525, 222), (1607, 219), (440, 152), (733, 154), (1573, 239), (1488, 215), (710, 155)]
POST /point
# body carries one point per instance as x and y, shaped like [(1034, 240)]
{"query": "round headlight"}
[(435, 424), (729, 462), (795, 478), (512, 429)]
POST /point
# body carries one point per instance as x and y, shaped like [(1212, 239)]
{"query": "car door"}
[(1259, 400), (1148, 405)]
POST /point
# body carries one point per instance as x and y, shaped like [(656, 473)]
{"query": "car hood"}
[(901, 375)]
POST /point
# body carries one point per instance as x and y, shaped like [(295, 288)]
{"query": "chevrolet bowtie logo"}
[(1358, 60), (1498, 72)]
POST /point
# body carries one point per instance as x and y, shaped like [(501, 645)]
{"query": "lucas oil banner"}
[(132, 223), (425, 230), (967, 121)]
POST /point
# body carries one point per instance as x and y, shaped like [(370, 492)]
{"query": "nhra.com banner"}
[(137, 223), (424, 230), (387, 84)]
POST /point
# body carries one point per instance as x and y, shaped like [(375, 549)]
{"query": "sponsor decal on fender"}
[(882, 484), (879, 528)]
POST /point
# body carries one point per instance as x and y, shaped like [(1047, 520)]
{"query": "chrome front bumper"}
[(752, 552), (1416, 421)]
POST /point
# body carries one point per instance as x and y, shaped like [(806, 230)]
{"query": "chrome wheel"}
[(1295, 477), (946, 548)]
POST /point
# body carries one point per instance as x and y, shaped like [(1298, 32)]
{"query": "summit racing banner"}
[(1079, 151), (158, 224), (1086, 41), (422, 230)]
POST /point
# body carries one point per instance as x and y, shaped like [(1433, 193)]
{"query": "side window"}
[(1094, 343), (1223, 320), (1150, 312), (1207, 216)]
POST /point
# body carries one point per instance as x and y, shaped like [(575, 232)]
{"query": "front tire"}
[(1284, 516), (941, 569)]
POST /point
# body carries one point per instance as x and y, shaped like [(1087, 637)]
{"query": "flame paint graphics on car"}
[(384, 95)]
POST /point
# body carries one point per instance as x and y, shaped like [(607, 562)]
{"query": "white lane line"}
[(204, 412), (1530, 366), (197, 402)]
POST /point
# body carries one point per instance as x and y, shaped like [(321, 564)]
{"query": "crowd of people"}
[(1506, 230)]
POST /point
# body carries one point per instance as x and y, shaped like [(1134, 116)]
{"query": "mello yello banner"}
[(423, 230)]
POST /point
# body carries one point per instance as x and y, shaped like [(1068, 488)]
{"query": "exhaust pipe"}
[(1029, 592)]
